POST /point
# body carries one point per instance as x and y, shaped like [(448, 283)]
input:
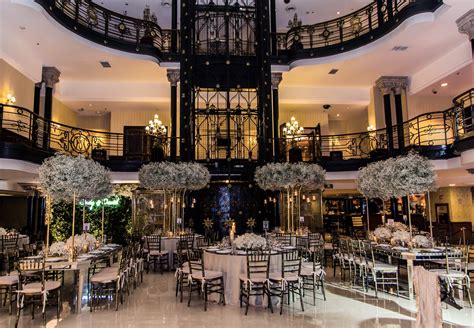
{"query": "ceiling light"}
[(338, 115), (399, 48), (370, 128), (445, 84), (105, 64), (452, 185), (22, 28), (90, 105), (338, 13)]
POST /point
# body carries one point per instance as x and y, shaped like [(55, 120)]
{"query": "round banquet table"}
[(232, 266), (169, 244)]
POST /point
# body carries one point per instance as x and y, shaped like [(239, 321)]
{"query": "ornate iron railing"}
[(436, 129), (109, 28), (350, 31)]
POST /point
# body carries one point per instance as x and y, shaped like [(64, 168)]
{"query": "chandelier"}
[(292, 129), (156, 128)]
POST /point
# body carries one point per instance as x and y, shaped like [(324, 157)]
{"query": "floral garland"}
[(277, 176), (174, 176), (250, 241)]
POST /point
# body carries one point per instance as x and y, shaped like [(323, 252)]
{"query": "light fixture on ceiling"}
[(370, 128), (338, 115), (333, 71), (399, 48), (166, 3), (105, 64), (338, 13), (10, 100), (292, 130), (452, 185), (22, 27), (444, 84)]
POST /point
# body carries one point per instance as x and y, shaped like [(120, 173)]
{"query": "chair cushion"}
[(8, 280), (256, 279), (292, 277), (470, 267), (208, 275), (35, 287), (158, 253), (104, 278)]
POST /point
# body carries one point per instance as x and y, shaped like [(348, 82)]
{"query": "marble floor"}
[(153, 304)]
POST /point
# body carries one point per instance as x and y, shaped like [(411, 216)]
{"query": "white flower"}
[(277, 176), (250, 241), (421, 241), (401, 236), (174, 176), (58, 248), (3, 231), (383, 234)]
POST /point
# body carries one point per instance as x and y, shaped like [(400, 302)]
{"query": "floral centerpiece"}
[(421, 241), (400, 238), (58, 248), (250, 241), (3, 231), (83, 243), (382, 234)]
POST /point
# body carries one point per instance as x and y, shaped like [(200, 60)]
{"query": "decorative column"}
[(36, 111), (174, 26), (465, 25), (400, 87), (396, 85), (173, 78), (276, 79), (50, 78), (273, 27), (386, 88)]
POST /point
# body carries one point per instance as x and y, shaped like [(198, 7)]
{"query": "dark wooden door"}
[(136, 144)]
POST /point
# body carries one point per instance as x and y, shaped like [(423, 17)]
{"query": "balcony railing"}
[(436, 130), (109, 28), (350, 31)]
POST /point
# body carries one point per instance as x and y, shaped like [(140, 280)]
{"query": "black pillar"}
[(36, 111), (174, 26), (276, 127), (399, 114), (48, 110), (379, 11), (388, 122), (174, 108), (273, 26)]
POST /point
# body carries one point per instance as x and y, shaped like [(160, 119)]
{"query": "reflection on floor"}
[(153, 304)]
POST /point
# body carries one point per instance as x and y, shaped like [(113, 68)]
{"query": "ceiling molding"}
[(447, 64), (321, 95)]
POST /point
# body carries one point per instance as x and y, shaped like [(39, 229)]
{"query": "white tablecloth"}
[(23, 240), (232, 266), (169, 244)]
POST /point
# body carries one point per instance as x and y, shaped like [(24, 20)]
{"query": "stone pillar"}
[(173, 78), (276, 79), (466, 26), (396, 86), (50, 78)]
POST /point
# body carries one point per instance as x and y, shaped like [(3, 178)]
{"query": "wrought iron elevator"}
[(225, 111)]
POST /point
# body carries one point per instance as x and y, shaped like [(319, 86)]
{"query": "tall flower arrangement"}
[(290, 178), (66, 178), (175, 179)]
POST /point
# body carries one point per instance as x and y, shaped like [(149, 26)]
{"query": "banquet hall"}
[(236, 163)]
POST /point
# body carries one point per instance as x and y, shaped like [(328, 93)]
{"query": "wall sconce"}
[(11, 100), (371, 128)]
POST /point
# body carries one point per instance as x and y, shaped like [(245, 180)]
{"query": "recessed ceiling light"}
[(452, 185), (338, 115), (338, 13), (444, 84), (22, 28), (90, 105)]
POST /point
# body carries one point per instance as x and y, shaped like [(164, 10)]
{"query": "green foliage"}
[(117, 222)]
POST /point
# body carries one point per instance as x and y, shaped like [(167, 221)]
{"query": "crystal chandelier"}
[(292, 129), (156, 128)]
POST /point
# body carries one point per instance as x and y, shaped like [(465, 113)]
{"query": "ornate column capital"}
[(387, 84), (173, 76), (276, 79), (50, 76), (465, 24)]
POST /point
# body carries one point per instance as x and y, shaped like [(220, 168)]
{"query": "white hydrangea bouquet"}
[(250, 241), (400, 238), (3, 231), (382, 234), (82, 242)]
